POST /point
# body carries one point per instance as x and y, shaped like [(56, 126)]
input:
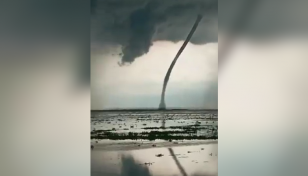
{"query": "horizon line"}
[(154, 109)]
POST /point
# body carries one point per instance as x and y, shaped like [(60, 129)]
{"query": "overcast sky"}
[(145, 36)]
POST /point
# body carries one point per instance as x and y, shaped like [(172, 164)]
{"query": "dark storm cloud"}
[(32, 27), (44, 19), (136, 24), (263, 18), (260, 19)]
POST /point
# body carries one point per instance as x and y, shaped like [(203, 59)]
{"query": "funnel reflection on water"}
[(194, 160)]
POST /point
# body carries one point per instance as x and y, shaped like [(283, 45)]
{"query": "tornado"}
[(162, 105)]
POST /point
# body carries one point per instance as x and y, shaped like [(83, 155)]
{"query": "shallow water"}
[(105, 125), (195, 160), (157, 157)]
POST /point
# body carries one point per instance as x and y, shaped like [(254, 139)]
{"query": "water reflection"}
[(131, 167), (198, 160)]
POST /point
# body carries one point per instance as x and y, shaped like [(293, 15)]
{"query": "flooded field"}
[(154, 143), (181, 125)]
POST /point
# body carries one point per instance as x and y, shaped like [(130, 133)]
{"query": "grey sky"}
[(146, 35), (193, 83), (270, 18)]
